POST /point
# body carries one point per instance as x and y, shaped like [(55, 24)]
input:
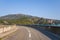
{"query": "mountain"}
[(27, 19), (19, 18), (15, 16)]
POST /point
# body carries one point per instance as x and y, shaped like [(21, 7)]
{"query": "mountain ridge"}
[(30, 18)]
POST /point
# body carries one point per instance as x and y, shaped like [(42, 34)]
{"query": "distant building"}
[(50, 21)]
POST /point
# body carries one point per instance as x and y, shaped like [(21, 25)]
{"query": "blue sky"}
[(41, 8)]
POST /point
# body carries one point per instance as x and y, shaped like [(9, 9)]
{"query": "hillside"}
[(15, 16), (19, 19), (26, 19)]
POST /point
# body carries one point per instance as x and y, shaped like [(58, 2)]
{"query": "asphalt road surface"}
[(26, 33)]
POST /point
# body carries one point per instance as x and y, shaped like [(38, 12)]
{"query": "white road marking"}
[(29, 33)]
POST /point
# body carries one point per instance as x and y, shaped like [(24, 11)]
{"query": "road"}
[(26, 33)]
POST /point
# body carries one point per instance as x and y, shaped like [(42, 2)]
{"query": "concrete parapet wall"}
[(5, 28)]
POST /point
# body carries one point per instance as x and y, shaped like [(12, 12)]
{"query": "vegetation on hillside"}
[(25, 19)]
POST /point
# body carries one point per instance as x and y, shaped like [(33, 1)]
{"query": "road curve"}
[(26, 33)]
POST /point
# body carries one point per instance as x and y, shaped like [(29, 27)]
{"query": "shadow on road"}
[(46, 32)]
